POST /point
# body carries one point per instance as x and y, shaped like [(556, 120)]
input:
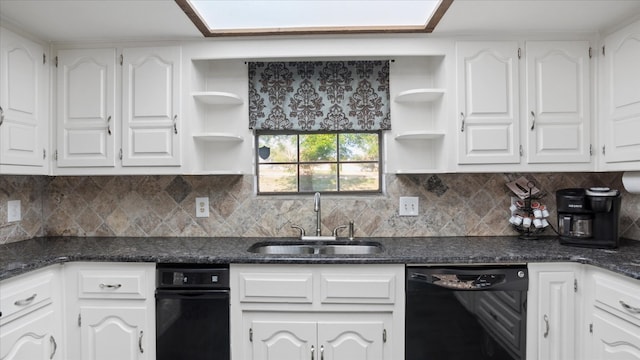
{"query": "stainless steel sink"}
[(353, 247)]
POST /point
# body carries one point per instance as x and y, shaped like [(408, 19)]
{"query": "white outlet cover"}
[(202, 207), (14, 213), (408, 206)]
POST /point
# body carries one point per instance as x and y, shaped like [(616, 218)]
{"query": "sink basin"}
[(316, 247)]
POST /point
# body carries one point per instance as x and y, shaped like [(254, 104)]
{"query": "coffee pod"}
[(537, 223), (545, 213), (513, 208), (526, 222), (537, 213), (517, 221), (544, 222)]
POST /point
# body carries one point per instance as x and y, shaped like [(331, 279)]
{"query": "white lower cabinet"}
[(110, 311), (553, 311), (329, 339), (613, 316), (30, 317), (326, 312)]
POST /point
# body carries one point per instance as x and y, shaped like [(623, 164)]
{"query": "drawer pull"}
[(629, 308), (546, 324), (140, 342), (110, 286), (27, 301)]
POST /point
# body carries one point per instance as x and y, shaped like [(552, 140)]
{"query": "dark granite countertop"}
[(24, 256)]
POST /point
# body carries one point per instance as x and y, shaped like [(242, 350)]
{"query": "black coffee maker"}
[(589, 217)]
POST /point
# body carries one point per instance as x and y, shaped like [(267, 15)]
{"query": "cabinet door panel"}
[(351, 340), (559, 121), (150, 105), (86, 108), (30, 338), (488, 102), (22, 98), (283, 340), (621, 95), (109, 333), (556, 319), (614, 338)]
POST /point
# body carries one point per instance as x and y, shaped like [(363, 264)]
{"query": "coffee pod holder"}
[(529, 215)]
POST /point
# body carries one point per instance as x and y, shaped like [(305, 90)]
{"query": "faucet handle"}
[(302, 232), (337, 229)]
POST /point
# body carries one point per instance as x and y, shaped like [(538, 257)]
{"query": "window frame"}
[(337, 162)]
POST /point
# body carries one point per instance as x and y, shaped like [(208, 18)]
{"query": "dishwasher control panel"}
[(170, 277)]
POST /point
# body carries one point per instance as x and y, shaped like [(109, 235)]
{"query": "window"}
[(344, 162)]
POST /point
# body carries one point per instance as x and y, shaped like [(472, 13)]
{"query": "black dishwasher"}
[(192, 312), (466, 312)]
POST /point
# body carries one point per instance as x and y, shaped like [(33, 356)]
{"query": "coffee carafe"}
[(588, 217)]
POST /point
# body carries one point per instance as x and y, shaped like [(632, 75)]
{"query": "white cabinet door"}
[(32, 337), (621, 96), (87, 117), (151, 106), (551, 322), (557, 102), (110, 332), (283, 340), (23, 118), (614, 338), (351, 340), (488, 107)]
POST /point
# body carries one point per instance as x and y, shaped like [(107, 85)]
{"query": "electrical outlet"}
[(14, 212), (408, 206), (202, 207)]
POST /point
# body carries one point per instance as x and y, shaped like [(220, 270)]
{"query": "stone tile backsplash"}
[(450, 205)]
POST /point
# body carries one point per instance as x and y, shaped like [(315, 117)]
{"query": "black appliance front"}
[(192, 313), (466, 312)]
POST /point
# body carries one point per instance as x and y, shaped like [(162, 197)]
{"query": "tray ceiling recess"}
[(273, 17)]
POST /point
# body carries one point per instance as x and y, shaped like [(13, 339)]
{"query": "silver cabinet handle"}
[(533, 120), (462, 118), (546, 323), (321, 352), (110, 286), (313, 350), (629, 308), (140, 342), (109, 125), (54, 347), (44, 154), (25, 302), (1, 115), (175, 125)]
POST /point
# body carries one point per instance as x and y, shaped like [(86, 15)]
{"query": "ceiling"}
[(129, 20)]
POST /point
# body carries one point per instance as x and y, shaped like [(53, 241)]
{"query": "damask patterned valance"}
[(319, 95)]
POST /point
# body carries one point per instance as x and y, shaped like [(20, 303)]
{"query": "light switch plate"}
[(14, 213), (202, 207), (408, 206)]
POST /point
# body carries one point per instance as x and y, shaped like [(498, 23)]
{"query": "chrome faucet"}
[(316, 208)]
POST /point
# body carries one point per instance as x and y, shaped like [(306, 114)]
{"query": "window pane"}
[(359, 147), (277, 148), (318, 177), (359, 177), (318, 147), (277, 178)]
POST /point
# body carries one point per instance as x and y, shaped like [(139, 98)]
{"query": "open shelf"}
[(217, 98), (419, 135), (218, 137), (419, 95)]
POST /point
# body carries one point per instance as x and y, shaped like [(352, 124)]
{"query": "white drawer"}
[(340, 288), (276, 287), (23, 294), (618, 296), (112, 284)]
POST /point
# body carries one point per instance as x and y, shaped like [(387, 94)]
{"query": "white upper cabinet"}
[(557, 106), (24, 105), (108, 126), (87, 116), (620, 99), (487, 107), (151, 106)]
